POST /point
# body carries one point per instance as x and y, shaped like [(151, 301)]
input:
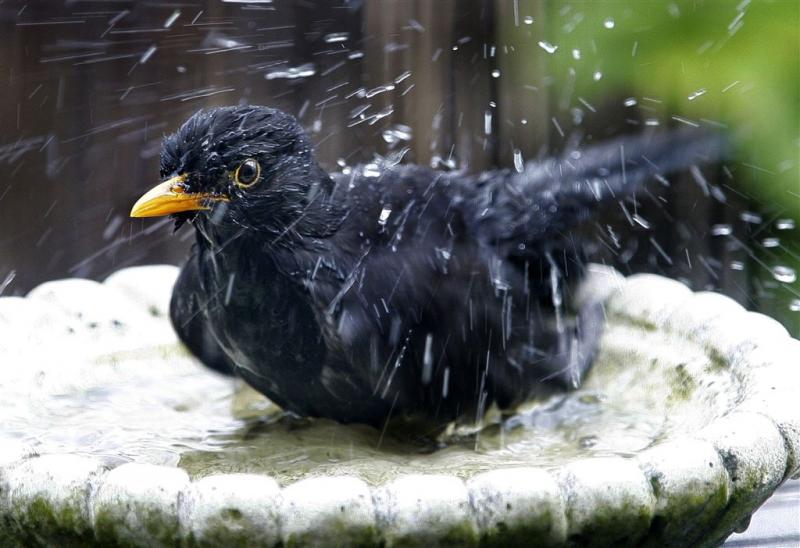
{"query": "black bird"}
[(386, 290)]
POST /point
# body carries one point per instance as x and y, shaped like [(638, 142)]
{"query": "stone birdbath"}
[(110, 433)]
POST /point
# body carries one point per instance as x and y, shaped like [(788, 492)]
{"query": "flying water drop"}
[(784, 274), (721, 230), (750, 217), (336, 37), (291, 73), (547, 46), (384, 216), (519, 164), (695, 94)]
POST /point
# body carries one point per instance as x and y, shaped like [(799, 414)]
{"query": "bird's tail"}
[(611, 170), (549, 198)]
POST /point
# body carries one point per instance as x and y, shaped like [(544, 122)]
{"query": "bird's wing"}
[(547, 199)]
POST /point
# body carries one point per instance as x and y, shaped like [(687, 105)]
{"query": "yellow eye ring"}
[(247, 174)]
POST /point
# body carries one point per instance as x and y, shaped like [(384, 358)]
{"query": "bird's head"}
[(248, 167)]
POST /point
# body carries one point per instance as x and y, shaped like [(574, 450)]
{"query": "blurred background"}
[(90, 88)]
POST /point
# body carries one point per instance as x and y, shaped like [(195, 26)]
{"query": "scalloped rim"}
[(694, 489)]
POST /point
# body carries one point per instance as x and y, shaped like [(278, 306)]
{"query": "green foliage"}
[(739, 60)]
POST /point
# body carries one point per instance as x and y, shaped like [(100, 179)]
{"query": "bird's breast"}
[(262, 320)]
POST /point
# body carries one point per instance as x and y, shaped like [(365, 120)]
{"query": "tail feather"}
[(549, 198), (622, 165)]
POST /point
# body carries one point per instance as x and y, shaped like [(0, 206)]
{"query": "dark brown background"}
[(84, 110)]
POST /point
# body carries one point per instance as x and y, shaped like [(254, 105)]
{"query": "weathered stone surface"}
[(231, 510), (691, 487), (137, 504), (426, 510), (47, 498), (321, 511), (515, 505), (773, 386), (609, 502), (148, 287), (649, 301), (724, 394), (755, 457)]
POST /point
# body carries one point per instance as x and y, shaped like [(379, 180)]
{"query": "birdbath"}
[(112, 433)]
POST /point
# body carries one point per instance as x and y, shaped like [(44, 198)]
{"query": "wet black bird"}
[(386, 290)]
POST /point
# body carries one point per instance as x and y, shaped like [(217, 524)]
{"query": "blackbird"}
[(387, 290)]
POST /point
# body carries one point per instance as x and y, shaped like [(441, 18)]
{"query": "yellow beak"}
[(170, 197)]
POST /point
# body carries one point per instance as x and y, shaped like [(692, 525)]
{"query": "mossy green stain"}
[(619, 524), (457, 535), (716, 361), (40, 522), (159, 527), (682, 383), (687, 516), (339, 535), (523, 531)]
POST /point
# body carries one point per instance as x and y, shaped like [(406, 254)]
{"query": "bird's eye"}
[(247, 173)]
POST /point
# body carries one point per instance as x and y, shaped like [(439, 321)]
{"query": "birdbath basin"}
[(110, 432)]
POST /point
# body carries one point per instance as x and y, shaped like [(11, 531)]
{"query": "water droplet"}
[(785, 274), (427, 360), (496, 73), (609, 23), (147, 55), (547, 46), (794, 305), (172, 18), (576, 54), (528, 20), (597, 75), (695, 94), (384, 216), (721, 230), (380, 89), (737, 265), (443, 253), (640, 221), (750, 217), (402, 77), (630, 102), (487, 122), (771, 242), (784, 224), (290, 73), (371, 170), (335, 37), (396, 133), (519, 165)]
